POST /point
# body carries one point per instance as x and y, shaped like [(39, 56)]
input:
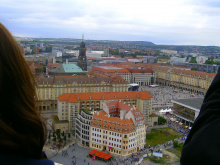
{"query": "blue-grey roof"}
[(69, 68)]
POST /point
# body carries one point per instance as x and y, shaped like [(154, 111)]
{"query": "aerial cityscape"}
[(117, 82), (107, 98)]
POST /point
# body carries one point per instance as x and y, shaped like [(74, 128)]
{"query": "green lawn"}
[(59, 121), (162, 135), (177, 150), (155, 159)]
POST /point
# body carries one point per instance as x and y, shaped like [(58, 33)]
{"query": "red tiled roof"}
[(109, 70), (120, 105), (112, 123), (75, 97), (193, 73), (141, 70)]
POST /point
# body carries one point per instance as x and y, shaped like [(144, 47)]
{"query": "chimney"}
[(121, 118), (66, 61), (108, 116)]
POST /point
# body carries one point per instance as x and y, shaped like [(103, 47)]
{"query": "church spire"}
[(83, 37)]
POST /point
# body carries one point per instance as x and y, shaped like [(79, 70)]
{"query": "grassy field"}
[(162, 135), (177, 150), (163, 160)]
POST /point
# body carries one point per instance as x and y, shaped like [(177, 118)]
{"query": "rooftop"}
[(193, 103), (76, 97)]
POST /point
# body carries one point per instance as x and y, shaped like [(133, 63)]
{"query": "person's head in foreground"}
[(22, 131)]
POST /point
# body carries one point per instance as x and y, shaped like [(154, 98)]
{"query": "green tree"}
[(134, 55), (195, 68), (209, 61), (54, 139), (48, 49), (122, 56), (44, 69), (193, 61), (175, 144), (64, 138), (68, 135), (161, 120)]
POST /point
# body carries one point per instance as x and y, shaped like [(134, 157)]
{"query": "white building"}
[(177, 60), (201, 59), (119, 129)]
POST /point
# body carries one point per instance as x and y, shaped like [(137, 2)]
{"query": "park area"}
[(161, 135)]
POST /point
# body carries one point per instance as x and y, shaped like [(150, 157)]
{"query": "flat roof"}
[(193, 103)]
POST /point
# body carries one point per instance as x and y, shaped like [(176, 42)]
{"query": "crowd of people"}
[(164, 94)]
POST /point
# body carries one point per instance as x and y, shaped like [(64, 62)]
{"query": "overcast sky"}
[(188, 22)]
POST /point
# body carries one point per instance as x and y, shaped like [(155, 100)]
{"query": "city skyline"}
[(183, 22)]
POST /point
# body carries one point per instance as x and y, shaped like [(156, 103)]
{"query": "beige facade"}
[(68, 112), (71, 104), (49, 88), (140, 137), (118, 129), (60, 125), (194, 81), (41, 59)]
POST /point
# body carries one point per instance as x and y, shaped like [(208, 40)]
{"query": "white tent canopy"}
[(165, 110)]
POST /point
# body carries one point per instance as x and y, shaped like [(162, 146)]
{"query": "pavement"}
[(80, 153)]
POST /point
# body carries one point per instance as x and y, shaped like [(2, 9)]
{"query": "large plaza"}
[(162, 95)]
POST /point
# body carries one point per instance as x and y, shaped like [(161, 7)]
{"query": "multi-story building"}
[(195, 81), (177, 60), (48, 88), (131, 75), (36, 50), (187, 110), (118, 128), (142, 76), (36, 68), (201, 59), (83, 122), (71, 104), (41, 59), (109, 70)]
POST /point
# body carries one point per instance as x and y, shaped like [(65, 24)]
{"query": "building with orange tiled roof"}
[(49, 88), (124, 73), (119, 129), (35, 68), (176, 76), (51, 66), (131, 75), (195, 81), (71, 104)]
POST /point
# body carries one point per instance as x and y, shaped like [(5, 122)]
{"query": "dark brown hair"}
[(21, 129)]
